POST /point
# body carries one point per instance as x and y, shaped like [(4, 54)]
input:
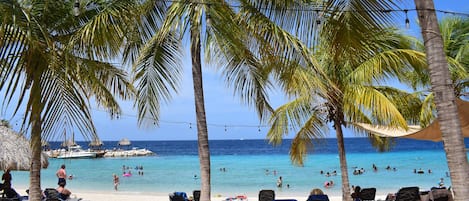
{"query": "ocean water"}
[(252, 165)]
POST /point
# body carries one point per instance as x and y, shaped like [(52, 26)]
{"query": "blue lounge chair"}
[(178, 196), (318, 198)]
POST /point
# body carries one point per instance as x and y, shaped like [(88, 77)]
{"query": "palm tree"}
[(357, 94), (224, 36), (52, 75), (454, 33), (444, 99)]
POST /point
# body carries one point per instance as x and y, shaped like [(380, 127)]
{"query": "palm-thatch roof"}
[(96, 143), (68, 143), (432, 132), (124, 142), (15, 151)]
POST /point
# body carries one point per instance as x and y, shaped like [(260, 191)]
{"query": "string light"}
[(316, 9), (407, 22), (76, 8)]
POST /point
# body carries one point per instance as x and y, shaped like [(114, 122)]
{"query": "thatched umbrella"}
[(124, 142), (15, 151), (432, 132), (68, 143), (96, 143)]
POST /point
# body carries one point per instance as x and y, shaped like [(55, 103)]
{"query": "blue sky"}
[(178, 116)]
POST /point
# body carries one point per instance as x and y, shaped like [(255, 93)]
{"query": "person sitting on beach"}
[(356, 193), (6, 177), (317, 195), (64, 193)]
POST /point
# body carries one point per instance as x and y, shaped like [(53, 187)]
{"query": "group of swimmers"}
[(420, 171), (267, 172), (139, 169), (359, 171), (328, 174)]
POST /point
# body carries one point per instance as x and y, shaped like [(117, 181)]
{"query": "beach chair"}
[(196, 195), (266, 195), (318, 198), (52, 194), (440, 194), (178, 196), (368, 194), (408, 194)]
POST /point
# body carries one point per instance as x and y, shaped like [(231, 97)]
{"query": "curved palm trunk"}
[(202, 132), (343, 162), (446, 107), (35, 193)]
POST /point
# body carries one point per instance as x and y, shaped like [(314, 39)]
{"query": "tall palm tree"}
[(444, 99), (226, 35), (54, 75), (357, 94)]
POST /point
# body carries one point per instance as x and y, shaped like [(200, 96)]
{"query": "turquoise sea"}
[(252, 165)]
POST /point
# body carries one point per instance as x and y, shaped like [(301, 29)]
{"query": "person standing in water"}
[(61, 175), (116, 181), (279, 182)]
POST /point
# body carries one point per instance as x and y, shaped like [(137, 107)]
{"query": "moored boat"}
[(75, 151)]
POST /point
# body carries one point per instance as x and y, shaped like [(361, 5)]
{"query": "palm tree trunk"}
[(35, 193), (446, 106), (202, 132), (343, 162)]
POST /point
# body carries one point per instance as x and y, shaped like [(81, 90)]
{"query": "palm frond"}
[(158, 72), (376, 105)]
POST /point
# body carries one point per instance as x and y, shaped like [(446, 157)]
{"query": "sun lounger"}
[(440, 194), (368, 194), (318, 198), (196, 195), (408, 194), (287, 200), (52, 194), (178, 196), (266, 195)]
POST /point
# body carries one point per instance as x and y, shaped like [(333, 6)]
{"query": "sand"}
[(130, 196)]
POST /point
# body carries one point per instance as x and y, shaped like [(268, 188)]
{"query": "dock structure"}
[(107, 153)]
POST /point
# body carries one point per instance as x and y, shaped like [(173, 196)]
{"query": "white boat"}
[(75, 151)]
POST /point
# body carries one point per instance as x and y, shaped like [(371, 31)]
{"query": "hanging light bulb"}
[(318, 20), (407, 21), (76, 8)]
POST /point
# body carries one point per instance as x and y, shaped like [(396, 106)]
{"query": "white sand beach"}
[(129, 196)]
